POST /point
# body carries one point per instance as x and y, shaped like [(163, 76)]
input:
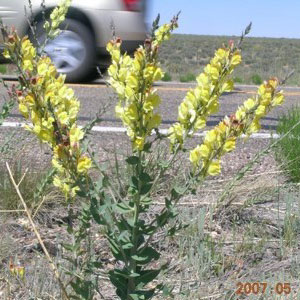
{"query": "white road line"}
[(109, 129)]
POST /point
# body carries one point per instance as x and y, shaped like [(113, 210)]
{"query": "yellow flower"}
[(260, 111), (129, 93), (195, 156), (214, 168), (249, 104), (57, 166), (76, 134), (183, 112), (24, 110), (138, 143), (229, 145), (221, 54), (115, 54), (278, 99), (27, 65), (227, 86), (151, 102), (119, 111), (240, 113), (132, 82), (132, 112), (154, 121), (42, 69), (73, 191), (236, 59), (211, 71), (30, 101), (84, 164), (112, 70), (254, 127), (158, 74), (6, 54), (210, 137), (176, 133)]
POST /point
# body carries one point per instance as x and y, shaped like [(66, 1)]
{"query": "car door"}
[(11, 13)]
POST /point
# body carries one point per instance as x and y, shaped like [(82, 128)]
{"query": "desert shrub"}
[(256, 79), (167, 77), (3, 69), (187, 77), (237, 79)]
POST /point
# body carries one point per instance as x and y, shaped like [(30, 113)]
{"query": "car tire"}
[(73, 52)]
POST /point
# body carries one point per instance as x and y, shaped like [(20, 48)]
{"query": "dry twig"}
[(50, 261)]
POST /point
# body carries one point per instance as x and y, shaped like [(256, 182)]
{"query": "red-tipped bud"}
[(11, 39), (19, 93), (118, 40)]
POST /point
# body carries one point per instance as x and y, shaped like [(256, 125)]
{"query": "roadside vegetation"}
[(262, 57), (165, 216), (288, 150)]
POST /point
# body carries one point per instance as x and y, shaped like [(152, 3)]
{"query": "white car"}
[(88, 27)]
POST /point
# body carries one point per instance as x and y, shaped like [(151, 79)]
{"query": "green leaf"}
[(145, 177), (177, 192), (135, 297), (84, 288), (146, 255), (134, 182), (176, 228), (115, 249), (147, 147), (143, 295), (127, 246), (96, 264), (134, 275), (146, 277), (163, 164), (6, 109), (132, 160), (68, 247), (94, 210), (123, 208), (162, 218), (146, 188), (146, 201), (148, 229)]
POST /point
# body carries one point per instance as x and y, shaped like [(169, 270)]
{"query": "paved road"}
[(95, 94)]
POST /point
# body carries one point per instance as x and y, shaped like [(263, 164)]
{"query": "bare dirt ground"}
[(249, 239)]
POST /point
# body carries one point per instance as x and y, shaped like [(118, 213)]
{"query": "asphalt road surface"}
[(92, 96)]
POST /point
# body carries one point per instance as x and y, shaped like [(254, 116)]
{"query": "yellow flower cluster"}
[(162, 34), (267, 98), (57, 16), (202, 101), (52, 109), (222, 139), (132, 79)]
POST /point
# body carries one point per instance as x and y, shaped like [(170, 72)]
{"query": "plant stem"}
[(50, 261)]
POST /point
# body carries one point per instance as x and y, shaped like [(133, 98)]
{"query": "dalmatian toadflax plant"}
[(51, 110)]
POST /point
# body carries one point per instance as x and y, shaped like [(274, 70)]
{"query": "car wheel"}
[(72, 52)]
